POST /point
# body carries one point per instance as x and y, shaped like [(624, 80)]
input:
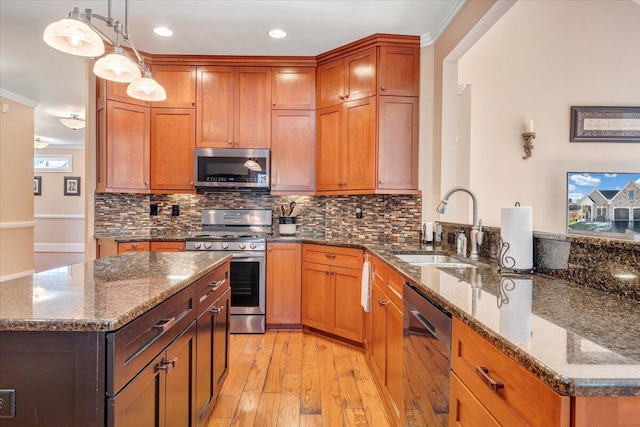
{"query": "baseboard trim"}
[(58, 247), (17, 275)]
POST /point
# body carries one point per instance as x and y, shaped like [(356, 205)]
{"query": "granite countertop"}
[(100, 295)]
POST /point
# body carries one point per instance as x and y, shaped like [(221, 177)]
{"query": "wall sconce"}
[(528, 136)]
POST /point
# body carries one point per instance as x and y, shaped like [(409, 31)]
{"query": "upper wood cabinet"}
[(293, 151), (122, 164), (180, 84), (116, 92), (399, 71), (172, 149), (234, 107), (293, 88), (347, 79)]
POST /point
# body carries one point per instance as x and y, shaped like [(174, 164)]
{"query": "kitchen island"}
[(75, 338)]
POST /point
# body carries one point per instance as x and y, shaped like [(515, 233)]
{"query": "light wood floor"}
[(43, 261), (297, 379)]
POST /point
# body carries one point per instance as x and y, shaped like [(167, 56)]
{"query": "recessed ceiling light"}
[(277, 34), (162, 31)]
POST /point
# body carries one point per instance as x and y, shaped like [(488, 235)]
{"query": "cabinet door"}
[(141, 402), (167, 247), (317, 303), (360, 76), (284, 283), (179, 81), (172, 146), (293, 88), (378, 332), (348, 313), (127, 151), (215, 107), (181, 380), (329, 149), (252, 107), (393, 377), (399, 71), (398, 143), (330, 84), (360, 127), (204, 396), (221, 323), (293, 151), (133, 247)]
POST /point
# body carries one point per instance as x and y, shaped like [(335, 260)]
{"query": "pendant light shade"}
[(116, 67), (74, 122), (146, 89), (74, 37)]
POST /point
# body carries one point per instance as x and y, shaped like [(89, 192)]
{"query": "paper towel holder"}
[(506, 262)]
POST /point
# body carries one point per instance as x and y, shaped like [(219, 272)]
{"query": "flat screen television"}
[(603, 204)]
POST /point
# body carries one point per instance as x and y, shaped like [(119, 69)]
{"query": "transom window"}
[(53, 163)]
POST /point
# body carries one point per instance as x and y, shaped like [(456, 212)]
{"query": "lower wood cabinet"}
[(108, 247), (284, 284), (167, 247), (330, 292), (520, 399)]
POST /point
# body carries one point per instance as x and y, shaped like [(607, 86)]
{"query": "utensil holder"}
[(287, 225)]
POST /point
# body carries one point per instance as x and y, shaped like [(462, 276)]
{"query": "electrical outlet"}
[(175, 210), (451, 238), (359, 212), (154, 209), (7, 403)]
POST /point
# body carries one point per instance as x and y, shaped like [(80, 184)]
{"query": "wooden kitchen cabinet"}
[(293, 152), (109, 247), (234, 107), (293, 88), (123, 145), (115, 91), (167, 246), (346, 151), (133, 247), (477, 363), (331, 291), (284, 284), (179, 81), (347, 79), (399, 71), (173, 138)]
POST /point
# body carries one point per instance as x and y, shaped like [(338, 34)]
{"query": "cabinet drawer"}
[(167, 246), (210, 287), (133, 247), (512, 404), (333, 255), (133, 346), (388, 280), (465, 410)]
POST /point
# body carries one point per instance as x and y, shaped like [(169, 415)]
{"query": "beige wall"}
[(60, 218), (539, 59), (16, 189)]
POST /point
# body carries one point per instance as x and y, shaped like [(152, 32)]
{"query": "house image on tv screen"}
[(606, 202)]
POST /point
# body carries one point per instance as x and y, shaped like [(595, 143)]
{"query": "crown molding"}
[(18, 98), (428, 39)]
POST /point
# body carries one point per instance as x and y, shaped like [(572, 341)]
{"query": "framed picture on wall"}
[(71, 185), (605, 124), (37, 186)]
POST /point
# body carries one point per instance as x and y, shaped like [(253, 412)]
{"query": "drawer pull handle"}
[(167, 365), (165, 324), (216, 285), (484, 375), (216, 310), (331, 256), (383, 302)]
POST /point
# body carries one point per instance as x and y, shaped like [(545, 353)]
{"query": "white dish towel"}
[(365, 293)]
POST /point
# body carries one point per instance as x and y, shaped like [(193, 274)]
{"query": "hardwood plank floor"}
[(297, 379)]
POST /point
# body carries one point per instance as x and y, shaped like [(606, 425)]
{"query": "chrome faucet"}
[(476, 230)]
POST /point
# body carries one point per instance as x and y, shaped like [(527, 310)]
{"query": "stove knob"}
[(253, 245), (225, 245), (196, 245), (207, 245), (242, 245)]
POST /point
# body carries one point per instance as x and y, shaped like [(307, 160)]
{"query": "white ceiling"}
[(56, 81)]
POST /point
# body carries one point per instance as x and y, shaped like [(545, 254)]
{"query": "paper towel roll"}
[(516, 228), (515, 315), (428, 231)]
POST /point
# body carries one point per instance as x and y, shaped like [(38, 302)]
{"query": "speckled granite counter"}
[(100, 295)]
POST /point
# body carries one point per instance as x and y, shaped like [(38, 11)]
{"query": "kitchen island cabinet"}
[(118, 344)]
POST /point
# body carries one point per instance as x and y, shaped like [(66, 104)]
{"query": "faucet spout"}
[(476, 229)]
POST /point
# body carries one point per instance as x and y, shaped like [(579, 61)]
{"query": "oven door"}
[(248, 273)]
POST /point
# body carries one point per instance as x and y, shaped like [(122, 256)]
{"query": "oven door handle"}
[(251, 257)]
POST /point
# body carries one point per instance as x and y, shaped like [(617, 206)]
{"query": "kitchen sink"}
[(431, 260)]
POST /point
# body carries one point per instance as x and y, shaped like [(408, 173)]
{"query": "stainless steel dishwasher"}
[(426, 361)]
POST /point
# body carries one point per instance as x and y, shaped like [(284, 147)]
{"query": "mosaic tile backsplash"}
[(385, 217)]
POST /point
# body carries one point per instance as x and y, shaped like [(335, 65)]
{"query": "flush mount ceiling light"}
[(277, 33), (38, 144), (163, 31), (74, 122), (78, 36)]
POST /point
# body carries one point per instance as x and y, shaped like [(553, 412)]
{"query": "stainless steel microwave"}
[(232, 169)]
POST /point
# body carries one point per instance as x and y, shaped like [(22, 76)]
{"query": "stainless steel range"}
[(241, 232)]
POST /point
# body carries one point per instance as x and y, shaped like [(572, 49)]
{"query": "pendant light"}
[(74, 122), (78, 36), (146, 89)]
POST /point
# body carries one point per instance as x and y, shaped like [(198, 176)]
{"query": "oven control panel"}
[(226, 246)]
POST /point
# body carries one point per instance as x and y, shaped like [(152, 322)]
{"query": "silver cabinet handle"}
[(383, 302), (167, 365), (216, 285), (165, 324), (484, 376), (216, 310)]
